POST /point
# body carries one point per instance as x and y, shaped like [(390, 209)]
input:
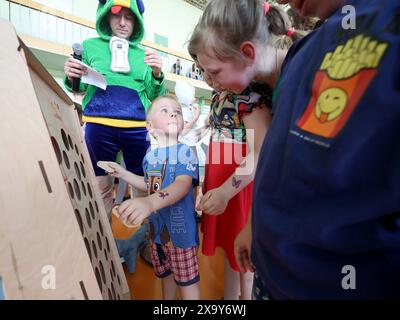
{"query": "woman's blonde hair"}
[(226, 24)]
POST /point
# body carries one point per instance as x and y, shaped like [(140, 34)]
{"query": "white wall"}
[(174, 19), (82, 8), (85, 9), (63, 5)]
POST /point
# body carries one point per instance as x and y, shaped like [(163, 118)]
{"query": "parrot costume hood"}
[(128, 95), (114, 6)]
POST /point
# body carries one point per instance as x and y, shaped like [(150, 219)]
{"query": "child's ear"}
[(149, 126), (248, 50)]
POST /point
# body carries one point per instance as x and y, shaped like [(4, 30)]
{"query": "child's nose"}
[(173, 115)]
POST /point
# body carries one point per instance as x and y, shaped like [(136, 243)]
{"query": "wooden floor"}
[(144, 285)]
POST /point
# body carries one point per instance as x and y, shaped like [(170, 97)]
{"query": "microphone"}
[(78, 50)]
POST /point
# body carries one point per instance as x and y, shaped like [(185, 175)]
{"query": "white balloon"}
[(185, 92)]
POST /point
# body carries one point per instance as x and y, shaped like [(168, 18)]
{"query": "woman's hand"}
[(242, 249)]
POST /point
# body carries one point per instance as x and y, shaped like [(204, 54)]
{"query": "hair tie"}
[(266, 8), (290, 32)]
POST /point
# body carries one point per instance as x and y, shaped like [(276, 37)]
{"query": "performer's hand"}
[(214, 202), (154, 61), (242, 249), (74, 69), (133, 212)]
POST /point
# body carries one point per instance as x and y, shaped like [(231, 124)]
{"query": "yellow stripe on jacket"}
[(115, 122)]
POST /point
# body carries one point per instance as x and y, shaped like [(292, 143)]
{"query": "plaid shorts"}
[(182, 263)]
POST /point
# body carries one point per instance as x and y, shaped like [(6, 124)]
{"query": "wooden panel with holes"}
[(52, 219)]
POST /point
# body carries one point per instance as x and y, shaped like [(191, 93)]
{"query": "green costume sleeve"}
[(154, 87)]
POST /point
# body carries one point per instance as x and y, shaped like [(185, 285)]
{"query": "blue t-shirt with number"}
[(165, 165), (326, 202)]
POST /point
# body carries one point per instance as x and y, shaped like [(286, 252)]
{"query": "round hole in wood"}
[(89, 188), (103, 275), (94, 249), (83, 170), (112, 267), (108, 245), (77, 190), (56, 149), (99, 241), (70, 142), (97, 273), (83, 187), (101, 228), (113, 291), (88, 247), (66, 160), (91, 210), (65, 139), (79, 219), (77, 172), (88, 220), (71, 190)]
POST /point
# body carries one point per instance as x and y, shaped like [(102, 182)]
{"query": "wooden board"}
[(51, 212)]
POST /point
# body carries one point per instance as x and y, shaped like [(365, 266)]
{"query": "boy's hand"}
[(196, 110), (242, 249), (154, 61), (133, 212), (207, 122), (119, 171), (214, 202)]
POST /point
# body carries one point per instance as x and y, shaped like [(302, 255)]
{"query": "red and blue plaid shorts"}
[(182, 263)]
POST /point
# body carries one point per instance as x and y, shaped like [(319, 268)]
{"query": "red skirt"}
[(221, 231)]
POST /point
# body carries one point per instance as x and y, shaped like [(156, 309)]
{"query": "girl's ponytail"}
[(280, 26), (226, 24)]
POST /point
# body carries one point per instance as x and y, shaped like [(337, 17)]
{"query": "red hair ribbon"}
[(290, 32), (266, 8)]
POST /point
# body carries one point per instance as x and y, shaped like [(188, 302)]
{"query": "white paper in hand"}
[(94, 78)]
